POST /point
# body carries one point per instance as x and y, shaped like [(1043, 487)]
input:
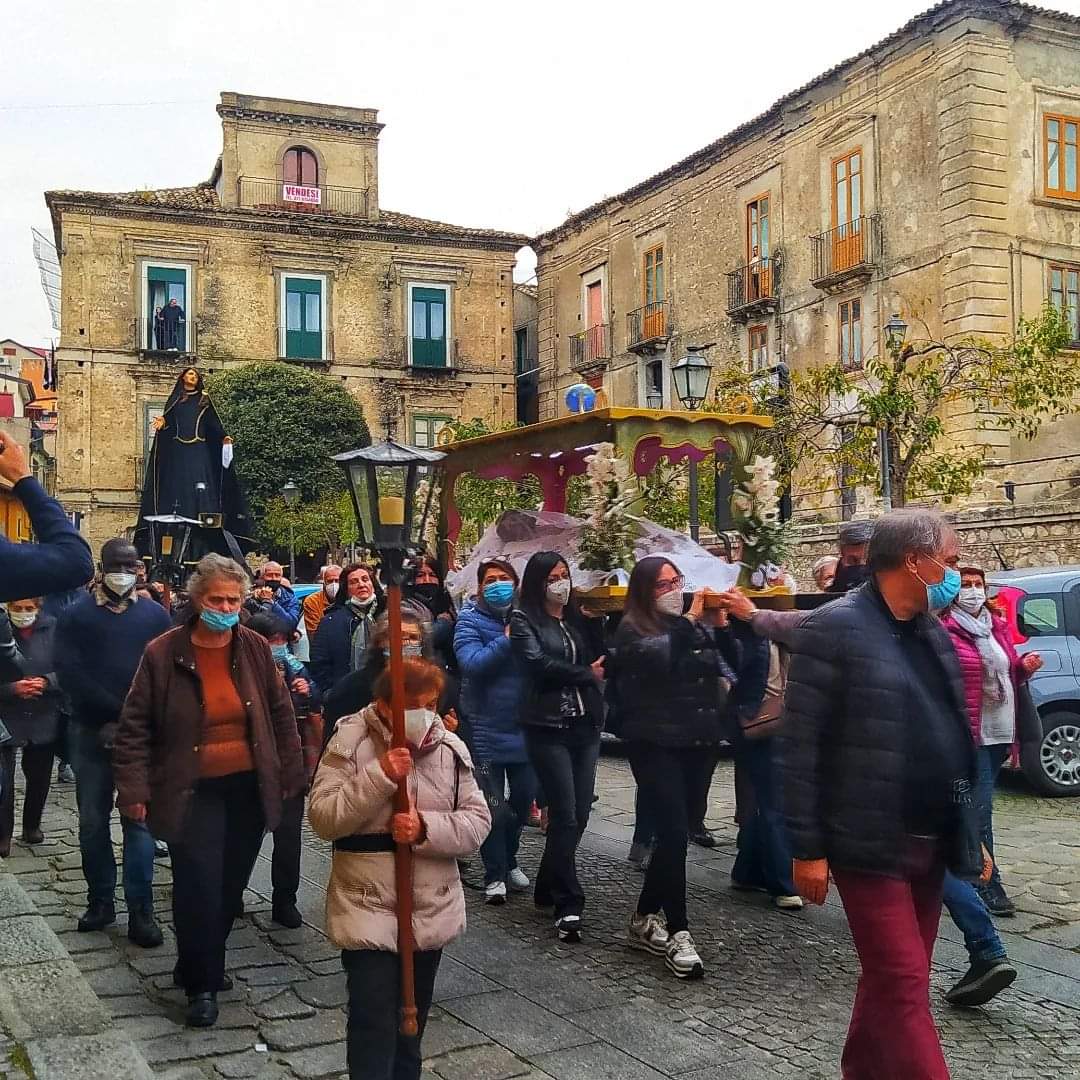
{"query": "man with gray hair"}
[(316, 604), (877, 762), (851, 569)]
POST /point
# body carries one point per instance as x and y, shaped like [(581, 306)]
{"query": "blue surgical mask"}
[(499, 593), (219, 621), (941, 595), (281, 653)]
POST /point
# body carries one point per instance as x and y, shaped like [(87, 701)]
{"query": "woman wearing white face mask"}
[(351, 804), (31, 710), (562, 714), (992, 673)]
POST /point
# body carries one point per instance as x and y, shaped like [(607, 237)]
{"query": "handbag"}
[(769, 719), (1029, 729)]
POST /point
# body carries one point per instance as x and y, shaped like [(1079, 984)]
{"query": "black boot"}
[(202, 1010), (285, 914), (98, 915), (143, 928)]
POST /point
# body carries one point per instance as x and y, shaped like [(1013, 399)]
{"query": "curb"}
[(61, 1029)]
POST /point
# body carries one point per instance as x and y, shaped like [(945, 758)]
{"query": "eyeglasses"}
[(662, 588)]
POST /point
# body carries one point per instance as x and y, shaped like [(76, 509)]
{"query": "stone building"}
[(283, 254), (525, 370), (934, 174)]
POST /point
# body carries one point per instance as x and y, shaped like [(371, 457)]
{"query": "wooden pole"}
[(402, 852)]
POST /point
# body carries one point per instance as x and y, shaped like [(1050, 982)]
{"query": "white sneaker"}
[(788, 903), (495, 893), (649, 933), (569, 928), (517, 880), (682, 957)]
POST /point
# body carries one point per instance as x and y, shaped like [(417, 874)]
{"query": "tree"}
[(329, 522), (287, 422), (828, 419)]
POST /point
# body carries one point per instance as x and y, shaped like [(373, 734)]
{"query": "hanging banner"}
[(298, 193)]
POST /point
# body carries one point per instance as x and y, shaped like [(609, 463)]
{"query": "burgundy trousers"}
[(893, 923)]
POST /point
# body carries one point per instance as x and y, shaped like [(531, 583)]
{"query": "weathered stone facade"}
[(943, 122), (234, 247)]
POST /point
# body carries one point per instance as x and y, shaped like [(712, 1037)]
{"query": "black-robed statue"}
[(189, 472)]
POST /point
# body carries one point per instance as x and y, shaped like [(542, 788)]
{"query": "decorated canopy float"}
[(553, 451)]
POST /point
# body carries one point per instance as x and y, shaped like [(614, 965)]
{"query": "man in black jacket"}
[(876, 765)]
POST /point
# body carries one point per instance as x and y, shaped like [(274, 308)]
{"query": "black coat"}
[(34, 720), (331, 648), (845, 751), (553, 683), (668, 685)]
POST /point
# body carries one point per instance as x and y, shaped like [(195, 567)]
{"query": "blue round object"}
[(581, 397)]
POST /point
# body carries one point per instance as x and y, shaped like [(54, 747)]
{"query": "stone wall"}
[(1002, 537)]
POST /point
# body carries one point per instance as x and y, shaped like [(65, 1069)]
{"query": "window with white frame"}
[(302, 304), (429, 325), (166, 296)]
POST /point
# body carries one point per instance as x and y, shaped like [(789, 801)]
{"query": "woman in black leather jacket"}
[(562, 715), (672, 681)]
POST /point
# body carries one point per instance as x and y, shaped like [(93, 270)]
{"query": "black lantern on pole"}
[(691, 375), (895, 333), (383, 480), (170, 535)]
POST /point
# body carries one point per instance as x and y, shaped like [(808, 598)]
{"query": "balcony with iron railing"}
[(847, 253), (754, 288), (153, 336), (648, 326), (262, 194), (591, 350)]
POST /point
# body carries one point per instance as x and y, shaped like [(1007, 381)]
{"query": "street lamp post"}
[(169, 538), (291, 494), (691, 377), (382, 480), (895, 333)]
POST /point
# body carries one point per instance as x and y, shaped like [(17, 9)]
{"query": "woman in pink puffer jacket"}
[(351, 803)]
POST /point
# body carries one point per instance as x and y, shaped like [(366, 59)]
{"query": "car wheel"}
[(1053, 766)]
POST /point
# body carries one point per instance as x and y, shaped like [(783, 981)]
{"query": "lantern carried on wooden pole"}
[(383, 480)]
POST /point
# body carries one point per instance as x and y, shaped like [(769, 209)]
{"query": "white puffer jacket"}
[(352, 795)]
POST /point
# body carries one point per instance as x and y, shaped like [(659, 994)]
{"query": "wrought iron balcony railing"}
[(590, 346), (850, 250), (647, 325), (754, 287), (302, 199)]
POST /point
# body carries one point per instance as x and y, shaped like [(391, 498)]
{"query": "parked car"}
[(1043, 610), (302, 647)]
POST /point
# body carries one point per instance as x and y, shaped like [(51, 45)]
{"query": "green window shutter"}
[(167, 273), (427, 327), (303, 319)]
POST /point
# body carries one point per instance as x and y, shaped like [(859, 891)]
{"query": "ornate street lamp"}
[(290, 493), (382, 480), (895, 333), (691, 376)]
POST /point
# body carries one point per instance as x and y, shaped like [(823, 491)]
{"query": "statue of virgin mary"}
[(189, 472)]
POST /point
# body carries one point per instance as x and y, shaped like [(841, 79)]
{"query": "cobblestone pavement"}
[(512, 1001)]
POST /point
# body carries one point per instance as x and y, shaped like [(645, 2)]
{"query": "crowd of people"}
[(867, 736)]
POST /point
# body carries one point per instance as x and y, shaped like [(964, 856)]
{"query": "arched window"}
[(300, 167)]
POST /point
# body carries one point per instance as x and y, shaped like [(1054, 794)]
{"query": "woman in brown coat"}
[(206, 753)]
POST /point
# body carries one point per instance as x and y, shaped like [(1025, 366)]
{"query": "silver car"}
[(1043, 610)]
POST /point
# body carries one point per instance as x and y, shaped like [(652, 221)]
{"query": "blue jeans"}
[(764, 858), (972, 920), (94, 793), (990, 761), (499, 850)]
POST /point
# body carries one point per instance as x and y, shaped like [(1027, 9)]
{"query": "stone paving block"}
[(94, 961), (479, 1063), (324, 1027), (184, 1072), (280, 935), (456, 980), (74, 942), (255, 956), (275, 975), (645, 1031), (51, 998), (311, 951), (443, 1034), (115, 981), (520, 1025), (595, 1061), (318, 1062), (251, 1065), (27, 939), (146, 1028), (284, 1005), (127, 1005), (109, 1055), (190, 1044), (13, 898), (152, 962), (325, 967), (326, 991)]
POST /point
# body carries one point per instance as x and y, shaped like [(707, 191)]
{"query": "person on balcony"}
[(172, 326)]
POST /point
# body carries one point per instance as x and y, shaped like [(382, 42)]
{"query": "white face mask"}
[(331, 589), (558, 592), (670, 603), (120, 584), (22, 619), (971, 599), (417, 724)]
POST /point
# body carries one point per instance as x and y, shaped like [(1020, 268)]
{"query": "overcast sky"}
[(498, 114)]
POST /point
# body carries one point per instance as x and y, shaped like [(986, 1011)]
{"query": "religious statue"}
[(189, 472)]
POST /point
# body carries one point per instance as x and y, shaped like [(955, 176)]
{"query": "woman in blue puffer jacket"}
[(492, 686)]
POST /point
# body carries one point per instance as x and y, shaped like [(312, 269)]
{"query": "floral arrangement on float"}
[(766, 540), (607, 537)]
